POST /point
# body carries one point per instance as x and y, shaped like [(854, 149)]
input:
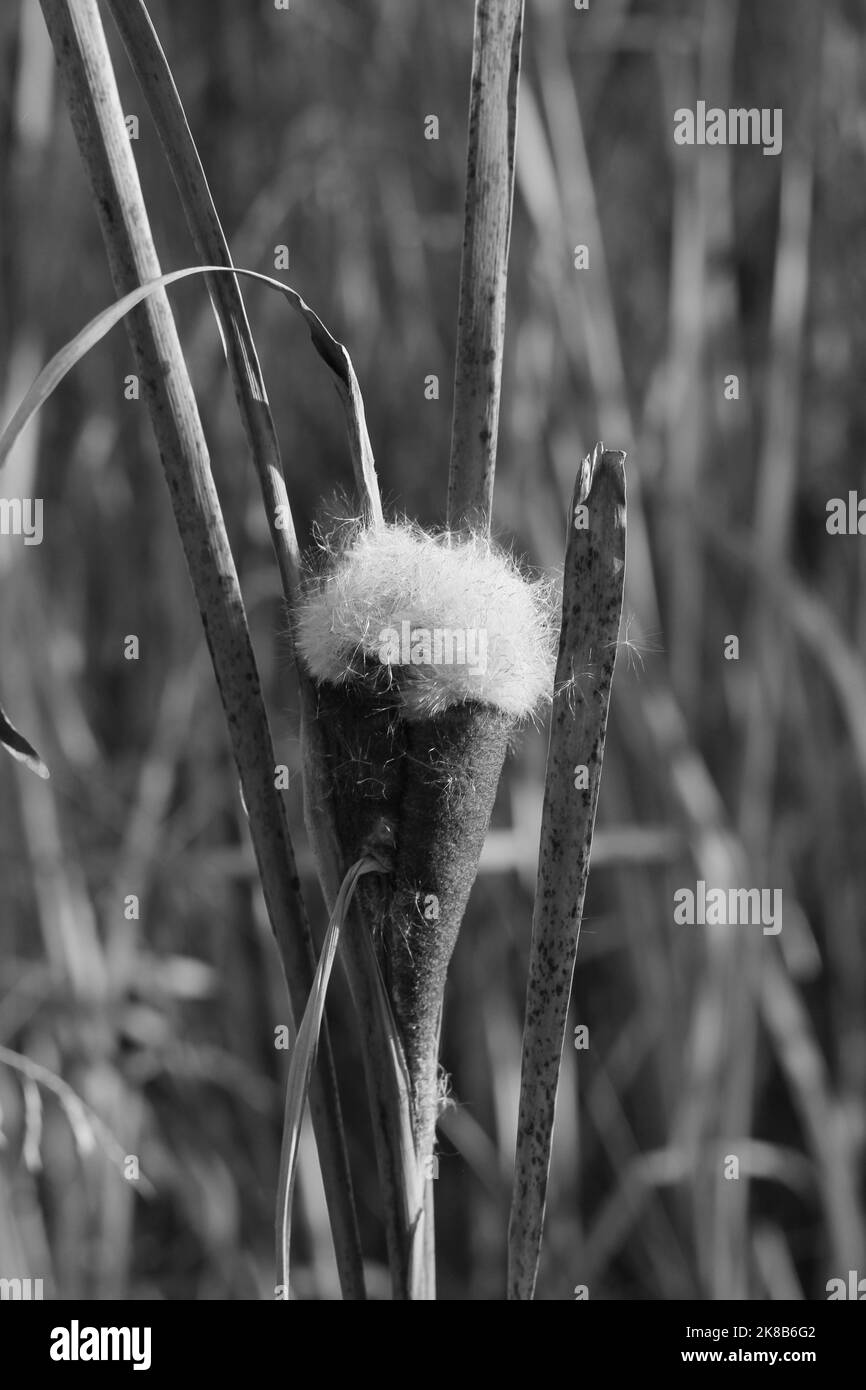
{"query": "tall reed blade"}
[(591, 611)]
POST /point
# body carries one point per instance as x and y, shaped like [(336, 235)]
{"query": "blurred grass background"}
[(704, 1042)]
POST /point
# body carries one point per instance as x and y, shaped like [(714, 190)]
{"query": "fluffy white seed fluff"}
[(439, 620)]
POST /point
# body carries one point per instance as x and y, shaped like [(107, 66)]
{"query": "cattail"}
[(428, 651)]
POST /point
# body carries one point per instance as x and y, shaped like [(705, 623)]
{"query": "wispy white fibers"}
[(437, 620)]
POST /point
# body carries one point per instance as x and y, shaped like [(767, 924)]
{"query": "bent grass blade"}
[(332, 352), (303, 1060)]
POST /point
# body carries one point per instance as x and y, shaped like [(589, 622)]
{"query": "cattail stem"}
[(88, 78), (484, 263)]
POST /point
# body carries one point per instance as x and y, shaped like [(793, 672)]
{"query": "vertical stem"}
[(591, 609), (85, 66), (484, 263)]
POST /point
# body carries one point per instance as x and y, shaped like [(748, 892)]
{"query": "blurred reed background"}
[(705, 1041)]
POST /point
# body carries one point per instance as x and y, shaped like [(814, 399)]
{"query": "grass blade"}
[(591, 610), (329, 349), (303, 1060), (16, 744)]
